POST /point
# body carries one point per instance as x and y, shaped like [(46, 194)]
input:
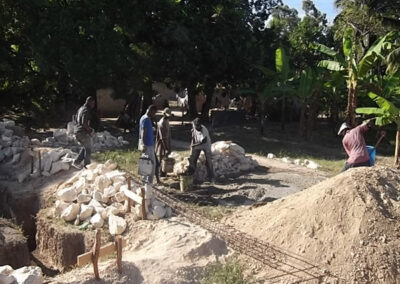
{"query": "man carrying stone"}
[(84, 133), (201, 141), (146, 137)]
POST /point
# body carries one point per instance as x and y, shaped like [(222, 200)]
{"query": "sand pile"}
[(349, 223), (165, 251)]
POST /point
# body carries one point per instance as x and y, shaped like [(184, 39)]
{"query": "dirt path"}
[(273, 179)]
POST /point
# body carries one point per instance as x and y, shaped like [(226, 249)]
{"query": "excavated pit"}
[(58, 244)]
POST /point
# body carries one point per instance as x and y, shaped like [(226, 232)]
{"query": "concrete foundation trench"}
[(31, 235)]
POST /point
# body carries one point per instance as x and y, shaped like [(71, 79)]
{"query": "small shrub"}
[(230, 272)]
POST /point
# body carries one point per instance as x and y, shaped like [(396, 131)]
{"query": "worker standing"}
[(146, 137), (201, 141), (84, 133), (163, 137)]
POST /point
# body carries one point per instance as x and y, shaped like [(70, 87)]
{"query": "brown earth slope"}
[(350, 224)]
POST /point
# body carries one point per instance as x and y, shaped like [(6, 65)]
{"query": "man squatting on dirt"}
[(201, 141), (146, 137), (354, 144), (84, 133)]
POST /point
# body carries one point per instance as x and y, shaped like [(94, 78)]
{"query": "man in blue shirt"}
[(146, 137)]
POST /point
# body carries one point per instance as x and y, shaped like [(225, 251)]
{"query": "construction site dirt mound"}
[(348, 224), (165, 251)]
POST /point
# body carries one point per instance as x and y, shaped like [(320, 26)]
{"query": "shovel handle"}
[(383, 134)]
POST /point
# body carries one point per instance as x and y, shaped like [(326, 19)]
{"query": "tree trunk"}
[(283, 114), (351, 102), (209, 91), (262, 117), (313, 113), (396, 151), (192, 102), (302, 122)]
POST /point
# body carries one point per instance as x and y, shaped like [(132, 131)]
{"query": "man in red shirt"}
[(354, 144)]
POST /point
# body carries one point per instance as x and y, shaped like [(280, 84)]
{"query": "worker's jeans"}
[(152, 156), (350, 165), (84, 154), (194, 156)]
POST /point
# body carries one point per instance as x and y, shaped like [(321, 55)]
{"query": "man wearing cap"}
[(163, 137), (84, 133), (146, 137), (201, 141), (354, 144)]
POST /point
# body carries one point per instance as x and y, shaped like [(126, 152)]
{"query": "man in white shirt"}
[(201, 141)]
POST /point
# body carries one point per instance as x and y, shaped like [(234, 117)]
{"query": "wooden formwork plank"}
[(104, 250), (132, 195)]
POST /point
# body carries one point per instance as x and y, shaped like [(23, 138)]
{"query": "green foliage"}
[(386, 113), (230, 272), (127, 159)]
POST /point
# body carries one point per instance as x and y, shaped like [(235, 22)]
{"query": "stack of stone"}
[(228, 158), (96, 195), (66, 137), (12, 144)]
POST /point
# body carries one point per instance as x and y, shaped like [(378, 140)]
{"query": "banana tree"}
[(386, 113), (279, 85), (352, 70)]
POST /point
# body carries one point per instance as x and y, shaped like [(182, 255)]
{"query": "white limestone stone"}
[(60, 206), (67, 194), (71, 212), (59, 166), (313, 165), (117, 225), (168, 212), (117, 186), (96, 195), (159, 211), (28, 275), (109, 191), (84, 198), (35, 142), (85, 212), (101, 182), (97, 221), (120, 196), (5, 274), (110, 165)]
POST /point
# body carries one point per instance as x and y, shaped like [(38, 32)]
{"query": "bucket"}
[(186, 182), (167, 165), (372, 154)]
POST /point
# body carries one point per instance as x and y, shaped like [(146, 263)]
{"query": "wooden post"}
[(95, 254), (40, 162), (118, 246), (128, 180), (144, 216)]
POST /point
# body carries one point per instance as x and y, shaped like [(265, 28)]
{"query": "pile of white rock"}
[(305, 163), (23, 275), (66, 137), (11, 145), (228, 158), (96, 195)]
